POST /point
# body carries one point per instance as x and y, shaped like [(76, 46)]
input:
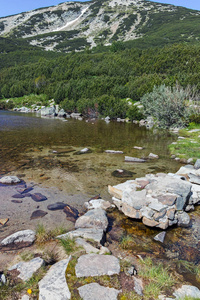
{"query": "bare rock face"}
[(19, 239), (97, 265), (96, 291), (27, 269), (95, 218), (53, 285)]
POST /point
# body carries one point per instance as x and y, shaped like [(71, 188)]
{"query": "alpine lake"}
[(45, 151)]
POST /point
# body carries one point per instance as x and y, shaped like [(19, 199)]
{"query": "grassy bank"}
[(188, 143)]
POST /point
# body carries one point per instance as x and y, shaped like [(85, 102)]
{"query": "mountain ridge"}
[(77, 25)]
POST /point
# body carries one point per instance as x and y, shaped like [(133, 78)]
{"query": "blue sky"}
[(10, 7)]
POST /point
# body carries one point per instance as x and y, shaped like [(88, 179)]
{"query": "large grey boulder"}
[(9, 179), (24, 237), (96, 291), (95, 218), (97, 265), (53, 285), (48, 111), (27, 269), (96, 234), (187, 290), (61, 113)]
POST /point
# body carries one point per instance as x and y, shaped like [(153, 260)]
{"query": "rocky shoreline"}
[(161, 200)]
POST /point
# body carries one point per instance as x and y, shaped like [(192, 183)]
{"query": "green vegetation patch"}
[(190, 145)]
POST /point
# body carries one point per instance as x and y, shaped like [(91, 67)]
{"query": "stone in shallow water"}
[(27, 269), (160, 237), (56, 206), (97, 265), (18, 196), (20, 238), (10, 179), (134, 159), (38, 197), (16, 201), (95, 291), (54, 286), (71, 212), (38, 214), (121, 173), (98, 203), (4, 221)]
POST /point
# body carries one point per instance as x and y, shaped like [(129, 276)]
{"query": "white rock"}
[(25, 297), (97, 203), (87, 233), (24, 236), (187, 290), (114, 152), (97, 265), (95, 218), (9, 179), (54, 286), (96, 291), (153, 156), (27, 269), (88, 247)]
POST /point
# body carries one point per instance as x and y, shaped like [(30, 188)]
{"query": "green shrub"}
[(195, 118), (68, 105), (168, 105), (134, 113), (112, 107)]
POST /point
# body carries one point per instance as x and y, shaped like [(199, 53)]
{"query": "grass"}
[(13, 288), (188, 147), (69, 245), (27, 100), (26, 255), (157, 276), (186, 266), (43, 235), (126, 241)]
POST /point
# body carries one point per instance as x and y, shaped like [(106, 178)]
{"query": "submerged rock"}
[(83, 151), (38, 214), (114, 152), (38, 197), (71, 212), (160, 237), (134, 159), (121, 173), (56, 206)]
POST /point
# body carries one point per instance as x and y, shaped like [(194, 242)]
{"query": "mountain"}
[(83, 25)]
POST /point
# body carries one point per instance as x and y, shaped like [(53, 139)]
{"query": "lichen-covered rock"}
[(27, 269), (97, 265), (53, 285), (96, 291)]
